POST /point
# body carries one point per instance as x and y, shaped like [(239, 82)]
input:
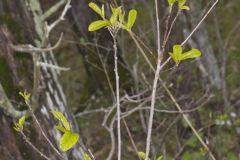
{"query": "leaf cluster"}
[(181, 4), (19, 126), (26, 96), (116, 20), (142, 156), (69, 139), (178, 55)]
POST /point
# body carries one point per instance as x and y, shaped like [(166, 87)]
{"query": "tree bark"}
[(25, 17)]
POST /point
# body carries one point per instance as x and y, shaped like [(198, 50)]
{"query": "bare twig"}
[(53, 9), (200, 22), (51, 26), (130, 137), (155, 82), (114, 33), (47, 65), (33, 147), (28, 48)]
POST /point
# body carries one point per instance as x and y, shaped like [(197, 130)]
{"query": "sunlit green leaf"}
[(60, 128), (191, 54), (62, 119), (181, 3), (176, 60), (86, 157), (25, 95), (19, 126), (95, 8), (103, 11), (176, 55), (160, 158), (171, 2), (185, 8), (121, 17), (115, 15), (141, 155), (68, 140), (132, 15), (21, 121), (112, 8), (98, 25)]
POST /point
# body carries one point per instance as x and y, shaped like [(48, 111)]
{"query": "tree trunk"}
[(24, 24)]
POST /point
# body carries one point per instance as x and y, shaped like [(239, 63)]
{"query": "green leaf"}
[(191, 54), (25, 95), (174, 58), (96, 25), (21, 121), (177, 50), (103, 11), (141, 155), (184, 8), (132, 15), (171, 2), (116, 12), (121, 17), (60, 128), (86, 157), (181, 3), (160, 158), (62, 119), (19, 126), (68, 140), (95, 8), (176, 55)]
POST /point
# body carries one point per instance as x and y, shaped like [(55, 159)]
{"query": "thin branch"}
[(47, 65), (53, 9), (28, 48), (33, 147), (155, 82), (199, 23), (51, 26), (131, 138), (113, 33)]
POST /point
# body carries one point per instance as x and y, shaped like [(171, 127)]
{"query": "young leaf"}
[(181, 3), (160, 158), (121, 17), (19, 126), (141, 155), (174, 58), (60, 128), (177, 52), (68, 140), (115, 15), (21, 121), (62, 119), (184, 8), (95, 8), (132, 15), (103, 11), (191, 54), (86, 157), (171, 2), (26, 96), (98, 25)]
